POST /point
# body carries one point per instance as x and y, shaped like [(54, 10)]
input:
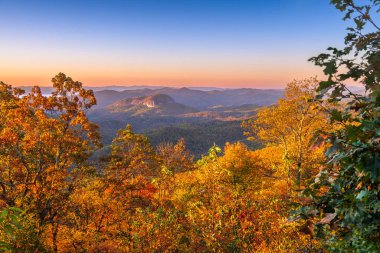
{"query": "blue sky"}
[(235, 43)]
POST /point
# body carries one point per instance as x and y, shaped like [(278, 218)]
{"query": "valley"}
[(202, 117)]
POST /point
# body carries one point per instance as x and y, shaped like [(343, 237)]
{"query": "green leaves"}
[(325, 85), (354, 168), (336, 115), (10, 223), (362, 194)]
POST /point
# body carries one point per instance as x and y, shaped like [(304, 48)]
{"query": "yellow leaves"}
[(290, 128)]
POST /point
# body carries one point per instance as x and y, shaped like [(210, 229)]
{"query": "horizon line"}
[(162, 86)]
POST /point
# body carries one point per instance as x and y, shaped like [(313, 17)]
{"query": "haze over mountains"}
[(197, 98)]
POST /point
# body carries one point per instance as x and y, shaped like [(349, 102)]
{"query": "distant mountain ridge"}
[(49, 89), (198, 99)]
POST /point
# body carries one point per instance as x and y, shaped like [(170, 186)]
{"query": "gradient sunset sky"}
[(225, 43)]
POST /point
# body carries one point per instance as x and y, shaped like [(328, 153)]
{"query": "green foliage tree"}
[(347, 191)]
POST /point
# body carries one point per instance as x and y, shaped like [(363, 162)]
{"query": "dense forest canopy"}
[(312, 186)]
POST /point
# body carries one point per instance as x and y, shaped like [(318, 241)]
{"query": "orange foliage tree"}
[(44, 141)]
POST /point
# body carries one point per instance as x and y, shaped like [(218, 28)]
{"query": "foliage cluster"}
[(347, 191), (140, 198)]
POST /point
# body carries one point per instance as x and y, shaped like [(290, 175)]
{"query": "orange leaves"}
[(175, 156), (8, 137), (43, 140)]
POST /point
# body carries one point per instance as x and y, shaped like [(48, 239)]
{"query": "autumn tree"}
[(44, 141), (131, 155), (131, 166), (173, 158), (292, 124)]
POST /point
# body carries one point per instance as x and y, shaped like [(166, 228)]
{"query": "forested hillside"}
[(305, 178), (162, 119)]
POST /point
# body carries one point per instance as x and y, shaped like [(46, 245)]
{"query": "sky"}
[(219, 43)]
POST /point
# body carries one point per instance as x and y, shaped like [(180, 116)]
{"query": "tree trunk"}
[(55, 234), (298, 176)]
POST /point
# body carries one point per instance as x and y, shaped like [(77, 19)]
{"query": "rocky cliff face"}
[(154, 105), (153, 101)]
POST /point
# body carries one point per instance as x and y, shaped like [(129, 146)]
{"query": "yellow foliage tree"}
[(293, 125)]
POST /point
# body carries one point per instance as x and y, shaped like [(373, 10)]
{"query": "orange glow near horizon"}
[(258, 77)]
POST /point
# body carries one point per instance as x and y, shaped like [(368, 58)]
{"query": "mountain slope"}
[(148, 106)]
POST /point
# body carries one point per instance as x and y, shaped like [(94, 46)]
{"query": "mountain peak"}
[(154, 100)]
